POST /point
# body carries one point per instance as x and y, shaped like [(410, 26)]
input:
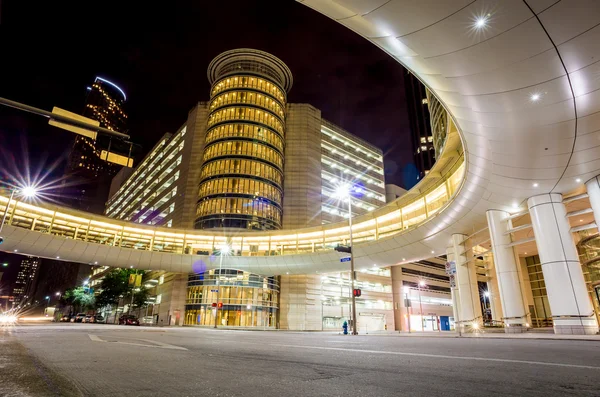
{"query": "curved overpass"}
[(522, 89)]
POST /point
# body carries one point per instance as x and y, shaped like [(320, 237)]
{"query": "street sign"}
[(78, 130), (451, 267), (345, 259), (214, 290)]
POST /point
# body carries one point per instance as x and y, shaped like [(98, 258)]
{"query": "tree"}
[(78, 298), (115, 286)]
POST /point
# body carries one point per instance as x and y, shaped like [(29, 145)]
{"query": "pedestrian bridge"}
[(521, 81)]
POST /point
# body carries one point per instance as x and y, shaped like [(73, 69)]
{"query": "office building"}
[(88, 171), (420, 124), (248, 160), (26, 281)]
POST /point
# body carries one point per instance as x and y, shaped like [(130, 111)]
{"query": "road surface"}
[(107, 360)]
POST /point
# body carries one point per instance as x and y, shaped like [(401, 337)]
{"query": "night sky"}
[(51, 51)]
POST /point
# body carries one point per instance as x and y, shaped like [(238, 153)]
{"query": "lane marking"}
[(500, 360), (154, 344)]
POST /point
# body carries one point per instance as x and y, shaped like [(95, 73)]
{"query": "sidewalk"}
[(497, 335)]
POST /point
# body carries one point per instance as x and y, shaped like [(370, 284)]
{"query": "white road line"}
[(154, 344), (501, 360)]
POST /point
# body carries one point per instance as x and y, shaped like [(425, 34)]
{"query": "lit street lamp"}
[(344, 192), (225, 249), (27, 191)]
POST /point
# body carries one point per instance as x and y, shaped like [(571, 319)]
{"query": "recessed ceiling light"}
[(515, 205), (581, 220), (403, 259), (525, 253), (536, 184), (535, 97), (95, 263), (578, 180), (58, 257), (432, 252), (481, 22)]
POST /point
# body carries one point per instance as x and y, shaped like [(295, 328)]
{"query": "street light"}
[(27, 191), (224, 249), (344, 192), (421, 285)]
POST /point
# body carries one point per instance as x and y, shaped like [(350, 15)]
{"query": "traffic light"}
[(220, 305), (357, 292), (343, 248)]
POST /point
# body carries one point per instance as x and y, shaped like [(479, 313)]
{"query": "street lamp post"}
[(27, 191), (352, 274), (224, 250)]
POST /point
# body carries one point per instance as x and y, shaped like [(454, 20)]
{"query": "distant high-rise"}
[(26, 278), (420, 125), (88, 172)]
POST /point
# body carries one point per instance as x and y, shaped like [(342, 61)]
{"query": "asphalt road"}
[(106, 360)]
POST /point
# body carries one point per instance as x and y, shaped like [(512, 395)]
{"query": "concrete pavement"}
[(103, 360)]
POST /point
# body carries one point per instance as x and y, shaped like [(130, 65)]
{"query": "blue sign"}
[(345, 259)]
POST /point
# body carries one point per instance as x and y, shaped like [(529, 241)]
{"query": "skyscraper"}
[(26, 279), (88, 173), (420, 125)]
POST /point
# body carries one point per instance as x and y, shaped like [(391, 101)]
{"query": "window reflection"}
[(249, 82), (245, 131), (251, 114), (249, 97), (241, 186), (241, 166), (243, 148)]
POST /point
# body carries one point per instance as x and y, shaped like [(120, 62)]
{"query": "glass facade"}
[(241, 183), (248, 300)]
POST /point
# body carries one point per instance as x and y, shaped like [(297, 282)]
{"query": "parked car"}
[(78, 318), (98, 318), (65, 318), (88, 319), (128, 319)]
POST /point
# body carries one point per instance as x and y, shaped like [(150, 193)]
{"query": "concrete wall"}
[(187, 191), (300, 303), (302, 170)]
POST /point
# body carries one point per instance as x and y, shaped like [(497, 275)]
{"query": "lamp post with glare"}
[(421, 285), (27, 191), (344, 192), (225, 249)]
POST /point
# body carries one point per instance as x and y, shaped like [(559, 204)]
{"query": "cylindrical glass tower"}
[(241, 183)]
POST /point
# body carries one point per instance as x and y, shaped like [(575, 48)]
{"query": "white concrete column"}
[(494, 292), (593, 191), (454, 290), (507, 271), (466, 281), (572, 311)]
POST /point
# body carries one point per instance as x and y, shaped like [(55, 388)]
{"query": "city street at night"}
[(105, 360)]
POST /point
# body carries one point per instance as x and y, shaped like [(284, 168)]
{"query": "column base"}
[(586, 326), (515, 329)]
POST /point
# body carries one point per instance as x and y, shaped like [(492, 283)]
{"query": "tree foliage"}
[(115, 286), (79, 298)]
